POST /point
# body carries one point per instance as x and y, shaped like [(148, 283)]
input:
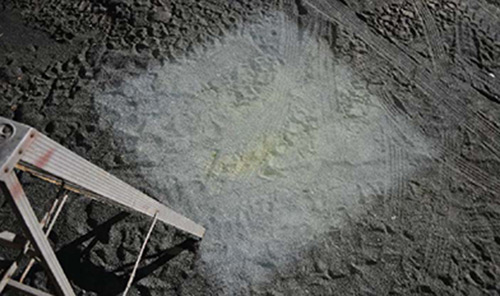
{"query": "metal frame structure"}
[(24, 148)]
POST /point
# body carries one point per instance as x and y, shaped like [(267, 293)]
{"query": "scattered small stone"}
[(336, 274), (320, 266), (140, 47), (85, 72), (162, 16), (408, 13)]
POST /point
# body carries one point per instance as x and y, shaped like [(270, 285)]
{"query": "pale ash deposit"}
[(267, 140)]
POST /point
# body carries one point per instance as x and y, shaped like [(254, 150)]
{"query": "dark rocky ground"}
[(433, 62)]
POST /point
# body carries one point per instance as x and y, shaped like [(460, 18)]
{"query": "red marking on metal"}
[(44, 159), (16, 190)]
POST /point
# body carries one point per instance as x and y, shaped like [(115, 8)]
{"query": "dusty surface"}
[(330, 147)]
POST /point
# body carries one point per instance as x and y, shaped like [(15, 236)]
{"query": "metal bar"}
[(53, 219), (11, 240), (46, 218), (47, 233), (13, 189), (8, 274), (26, 289), (132, 275), (26, 249), (49, 156)]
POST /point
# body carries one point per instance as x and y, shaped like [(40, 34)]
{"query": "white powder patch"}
[(265, 139)]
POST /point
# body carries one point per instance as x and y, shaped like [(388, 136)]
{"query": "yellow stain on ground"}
[(258, 158)]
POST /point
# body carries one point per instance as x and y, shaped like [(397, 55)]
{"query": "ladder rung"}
[(12, 240), (15, 241), (26, 289)]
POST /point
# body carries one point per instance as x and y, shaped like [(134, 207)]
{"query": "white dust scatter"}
[(265, 139)]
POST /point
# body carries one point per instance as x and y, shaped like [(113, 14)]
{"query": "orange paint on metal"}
[(44, 159)]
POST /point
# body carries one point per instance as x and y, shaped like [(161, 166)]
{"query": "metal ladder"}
[(24, 148)]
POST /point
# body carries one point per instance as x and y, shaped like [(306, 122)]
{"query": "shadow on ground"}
[(82, 272)]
